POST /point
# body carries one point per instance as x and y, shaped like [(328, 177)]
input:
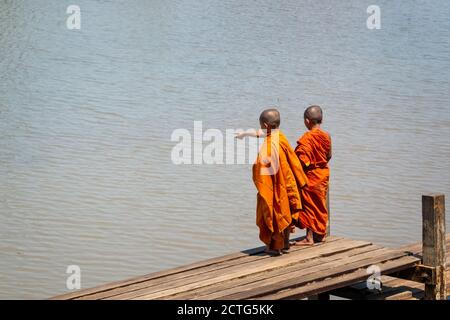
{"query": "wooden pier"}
[(339, 267)]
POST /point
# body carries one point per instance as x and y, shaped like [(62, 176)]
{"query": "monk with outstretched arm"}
[(278, 177)]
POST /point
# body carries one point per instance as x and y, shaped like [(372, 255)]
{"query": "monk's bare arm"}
[(250, 133)]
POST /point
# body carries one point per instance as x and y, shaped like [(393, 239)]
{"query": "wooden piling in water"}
[(433, 246)]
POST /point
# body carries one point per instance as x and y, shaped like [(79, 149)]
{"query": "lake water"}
[(86, 118)]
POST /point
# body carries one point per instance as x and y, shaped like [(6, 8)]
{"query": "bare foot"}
[(304, 242)]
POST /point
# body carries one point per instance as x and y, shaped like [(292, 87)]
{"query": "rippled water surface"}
[(86, 118)]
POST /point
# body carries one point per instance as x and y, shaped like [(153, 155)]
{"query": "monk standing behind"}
[(314, 151), (278, 177)]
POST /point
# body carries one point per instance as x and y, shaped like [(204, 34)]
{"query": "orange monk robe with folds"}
[(278, 176), (314, 152)]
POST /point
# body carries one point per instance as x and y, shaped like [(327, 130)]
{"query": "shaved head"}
[(271, 117), (313, 114)]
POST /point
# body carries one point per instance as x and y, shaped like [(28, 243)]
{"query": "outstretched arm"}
[(250, 133)]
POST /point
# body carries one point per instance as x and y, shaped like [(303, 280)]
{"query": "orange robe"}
[(314, 151), (278, 175)]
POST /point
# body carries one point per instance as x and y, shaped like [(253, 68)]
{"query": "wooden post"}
[(433, 245)]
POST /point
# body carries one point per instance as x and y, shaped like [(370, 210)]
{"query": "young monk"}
[(278, 176), (314, 151)]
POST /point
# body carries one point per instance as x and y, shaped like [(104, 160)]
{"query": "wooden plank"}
[(398, 289), (416, 251), (301, 273), (335, 282), (416, 248), (402, 295), (158, 274), (164, 273), (241, 271), (226, 276), (393, 286), (334, 271), (254, 267), (433, 244), (360, 290), (208, 292), (193, 275)]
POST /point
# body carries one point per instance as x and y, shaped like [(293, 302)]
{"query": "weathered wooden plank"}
[(270, 281), (208, 292), (416, 251), (416, 248), (187, 275), (309, 271), (241, 271), (300, 290), (334, 271), (164, 273), (398, 289), (195, 275), (360, 290), (159, 274), (400, 295), (255, 267), (433, 242)]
